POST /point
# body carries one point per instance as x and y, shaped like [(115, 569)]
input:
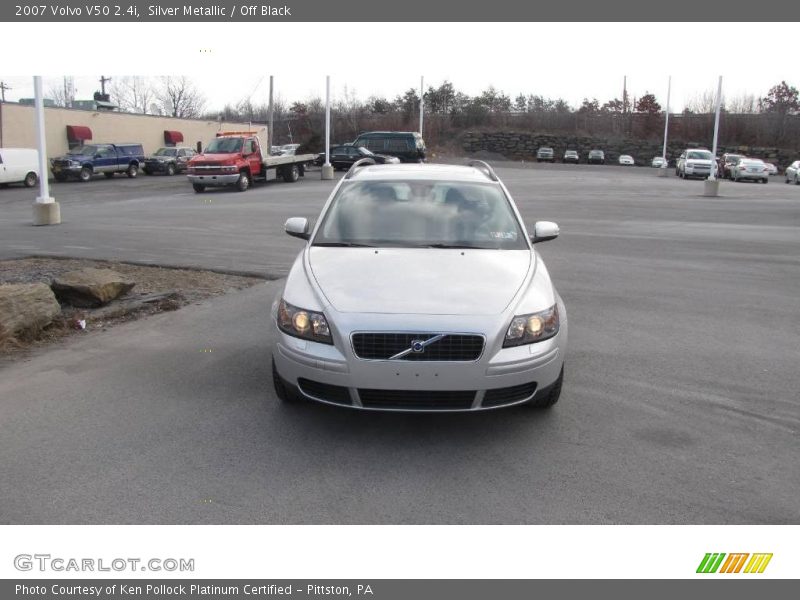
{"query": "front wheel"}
[(549, 396), (198, 188), (85, 174), (133, 171), (31, 179), (796, 180), (291, 174), (243, 182), (170, 169)]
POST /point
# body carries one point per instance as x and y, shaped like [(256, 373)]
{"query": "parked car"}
[(545, 154), (695, 162), (419, 289), (771, 168), (288, 149), (727, 161), (343, 157), (792, 173), (596, 157), (658, 161), (408, 146), (169, 160), (626, 160), (19, 165), (572, 156), (750, 169), (84, 162)]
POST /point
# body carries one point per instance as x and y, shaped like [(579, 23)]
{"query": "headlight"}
[(74, 163), (531, 328), (305, 324), (230, 168)]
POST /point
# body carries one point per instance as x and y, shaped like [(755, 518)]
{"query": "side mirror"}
[(297, 227), (544, 231)]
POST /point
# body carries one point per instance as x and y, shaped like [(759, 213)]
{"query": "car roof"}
[(420, 172)]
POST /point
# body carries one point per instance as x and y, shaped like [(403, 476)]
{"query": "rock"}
[(89, 288), (26, 307)]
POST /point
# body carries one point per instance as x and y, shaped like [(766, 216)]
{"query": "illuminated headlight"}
[(531, 328), (302, 323)]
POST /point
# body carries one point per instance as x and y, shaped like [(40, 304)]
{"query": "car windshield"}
[(596, 152), (751, 162), (571, 153), (224, 145), (545, 149), (699, 155), (421, 214), (166, 152), (85, 150)]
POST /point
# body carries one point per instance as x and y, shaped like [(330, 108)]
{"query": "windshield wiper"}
[(457, 246), (343, 245)]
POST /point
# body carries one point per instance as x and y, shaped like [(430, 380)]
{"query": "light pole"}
[(46, 210), (327, 168), (662, 172), (712, 183), (421, 101)]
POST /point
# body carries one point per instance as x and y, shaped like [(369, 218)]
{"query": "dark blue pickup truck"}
[(84, 162)]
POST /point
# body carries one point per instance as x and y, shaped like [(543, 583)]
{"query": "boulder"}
[(89, 288), (26, 307)]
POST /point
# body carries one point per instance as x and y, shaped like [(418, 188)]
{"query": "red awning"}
[(173, 137), (78, 133)]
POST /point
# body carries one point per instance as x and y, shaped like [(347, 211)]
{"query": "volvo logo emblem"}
[(417, 346)]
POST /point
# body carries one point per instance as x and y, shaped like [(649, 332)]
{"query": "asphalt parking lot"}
[(681, 402)]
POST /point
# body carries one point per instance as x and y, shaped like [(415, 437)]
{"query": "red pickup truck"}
[(239, 158)]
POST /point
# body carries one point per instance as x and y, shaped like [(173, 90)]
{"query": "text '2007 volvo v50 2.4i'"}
[(419, 289)]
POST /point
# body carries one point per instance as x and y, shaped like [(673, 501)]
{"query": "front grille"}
[(61, 163), (325, 391), (452, 347), (508, 395), (417, 399)]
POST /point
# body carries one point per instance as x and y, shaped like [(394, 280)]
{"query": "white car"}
[(771, 169), (695, 162), (658, 161), (419, 289), (750, 169), (792, 173), (19, 165), (626, 160)]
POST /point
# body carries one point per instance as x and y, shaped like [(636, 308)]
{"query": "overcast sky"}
[(570, 61)]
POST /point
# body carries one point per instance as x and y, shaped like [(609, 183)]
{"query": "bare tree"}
[(57, 95), (743, 104), (179, 97), (133, 94), (704, 103)]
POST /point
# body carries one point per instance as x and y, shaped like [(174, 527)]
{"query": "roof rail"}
[(485, 167), (360, 162)]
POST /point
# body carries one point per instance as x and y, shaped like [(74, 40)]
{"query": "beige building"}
[(18, 128)]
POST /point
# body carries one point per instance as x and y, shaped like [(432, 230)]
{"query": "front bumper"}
[(214, 180), (157, 166), (499, 378)]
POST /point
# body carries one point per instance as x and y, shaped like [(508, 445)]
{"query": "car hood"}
[(215, 157), (419, 281), (78, 157)]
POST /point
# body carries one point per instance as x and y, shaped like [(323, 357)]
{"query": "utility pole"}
[(327, 168), (46, 211), (270, 110), (3, 88), (711, 187), (662, 172), (103, 81), (421, 101)]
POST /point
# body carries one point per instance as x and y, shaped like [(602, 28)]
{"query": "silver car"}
[(792, 173), (419, 289), (750, 169)]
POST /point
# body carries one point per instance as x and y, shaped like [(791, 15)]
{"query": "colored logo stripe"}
[(758, 563), (710, 562), (733, 564)]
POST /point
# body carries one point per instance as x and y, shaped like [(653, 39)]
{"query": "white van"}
[(19, 165)]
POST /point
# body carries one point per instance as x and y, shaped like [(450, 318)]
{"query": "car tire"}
[(198, 188), (291, 174), (31, 179), (765, 181), (109, 175), (170, 169), (549, 396), (243, 183), (282, 391), (796, 180), (85, 174), (133, 171)]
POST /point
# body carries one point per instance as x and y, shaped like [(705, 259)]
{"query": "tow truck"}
[(239, 158)]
